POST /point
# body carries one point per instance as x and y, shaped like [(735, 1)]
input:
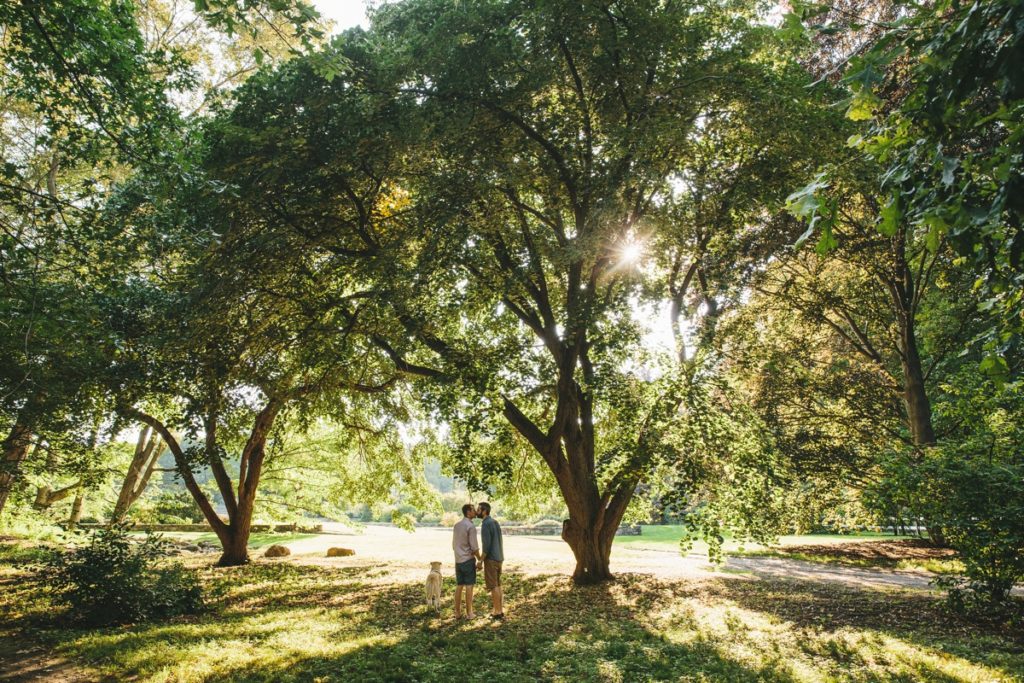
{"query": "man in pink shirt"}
[(467, 552)]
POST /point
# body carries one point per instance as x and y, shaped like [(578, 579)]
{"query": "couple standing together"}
[(471, 556)]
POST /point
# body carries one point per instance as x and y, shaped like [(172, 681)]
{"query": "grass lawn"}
[(667, 537), (864, 549), (288, 622), (903, 555), (256, 540)]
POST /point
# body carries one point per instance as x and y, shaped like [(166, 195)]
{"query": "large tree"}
[(483, 200), (90, 92)]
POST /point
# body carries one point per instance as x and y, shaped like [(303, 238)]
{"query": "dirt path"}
[(404, 555), (21, 663)]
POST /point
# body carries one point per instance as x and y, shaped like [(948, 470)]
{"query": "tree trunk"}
[(233, 535), (915, 395), (591, 551), (46, 497), (235, 539), (147, 452), (593, 516), (16, 448), (76, 509), (235, 544), (905, 293), (919, 409)]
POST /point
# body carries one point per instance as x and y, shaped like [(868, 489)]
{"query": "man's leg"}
[(458, 601), (469, 602), (492, 575), (496, 598)]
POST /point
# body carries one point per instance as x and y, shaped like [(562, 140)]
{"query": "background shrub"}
[(116, 579), (169, 507)]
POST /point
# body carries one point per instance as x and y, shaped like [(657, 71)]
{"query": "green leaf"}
[(890, 218), (804, 203), (862, 106), (937, 227), (792, 27), (827, 242)]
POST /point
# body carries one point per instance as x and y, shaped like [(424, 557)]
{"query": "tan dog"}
[(433, 586)]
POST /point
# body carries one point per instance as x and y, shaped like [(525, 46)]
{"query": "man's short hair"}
[(466, 508), (486, 507)]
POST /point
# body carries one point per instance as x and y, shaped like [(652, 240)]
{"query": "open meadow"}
[(666, 618)]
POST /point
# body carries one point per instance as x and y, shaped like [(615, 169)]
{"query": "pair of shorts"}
[(465, 573), (492, 574)]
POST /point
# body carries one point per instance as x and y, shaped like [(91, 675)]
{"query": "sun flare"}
[(631, 253)]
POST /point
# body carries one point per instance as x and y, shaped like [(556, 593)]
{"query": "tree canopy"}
[(480, 221)]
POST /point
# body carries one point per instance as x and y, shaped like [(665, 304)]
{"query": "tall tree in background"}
[(940, 97), (79, 104), (90, 93), (144, 460)]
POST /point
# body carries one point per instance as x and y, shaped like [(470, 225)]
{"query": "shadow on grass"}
[(284, 622), (554, 633), (914, 617), (292, 623)]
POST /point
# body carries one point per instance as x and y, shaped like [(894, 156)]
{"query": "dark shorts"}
[(465, 573)]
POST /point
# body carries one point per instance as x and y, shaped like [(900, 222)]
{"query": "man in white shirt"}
[(467, 552)]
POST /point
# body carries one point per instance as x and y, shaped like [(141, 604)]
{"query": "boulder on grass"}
[(340, 552), (277, 551)]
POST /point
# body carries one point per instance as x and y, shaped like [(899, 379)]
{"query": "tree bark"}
[(16, 449), (915, 395), (233, 534), (250, 467), (905, 293), (235, 548), (591, 552), (46, 497), (76, 509), (919, 411), (147, 452)]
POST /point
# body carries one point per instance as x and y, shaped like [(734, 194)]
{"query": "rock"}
[(277, 551), (193, 548), (340, 552)]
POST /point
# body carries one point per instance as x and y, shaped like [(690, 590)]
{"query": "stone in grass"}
[(277, 551), (340, 552)]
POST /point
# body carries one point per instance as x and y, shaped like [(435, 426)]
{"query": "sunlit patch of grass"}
[(935, 566), (287, 622), (907, 555), (794, 651), (667, 537), (17, 552), (256, 540)]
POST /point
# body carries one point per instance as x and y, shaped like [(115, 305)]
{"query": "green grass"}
[(286, 622), (935, 566), (256, 540), (667, 537)]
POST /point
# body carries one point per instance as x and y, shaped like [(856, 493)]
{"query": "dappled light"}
[(285, 622), (511, 340)]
